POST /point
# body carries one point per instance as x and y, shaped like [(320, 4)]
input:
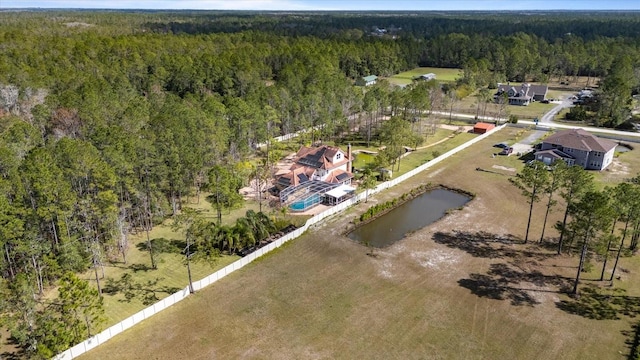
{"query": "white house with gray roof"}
[(577, 147), (520, 95)]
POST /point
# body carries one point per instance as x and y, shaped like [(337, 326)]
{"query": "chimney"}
[(349, 165)]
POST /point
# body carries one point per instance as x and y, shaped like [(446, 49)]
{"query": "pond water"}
[(408, 217), (621, 148)]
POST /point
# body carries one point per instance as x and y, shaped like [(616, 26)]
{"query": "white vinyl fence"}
[(112, 331)]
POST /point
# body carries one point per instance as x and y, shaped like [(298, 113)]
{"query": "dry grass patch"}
[(463, 288)]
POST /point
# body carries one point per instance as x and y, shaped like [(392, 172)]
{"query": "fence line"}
[(174, 298)]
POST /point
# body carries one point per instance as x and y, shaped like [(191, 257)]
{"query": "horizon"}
[(327, 5)]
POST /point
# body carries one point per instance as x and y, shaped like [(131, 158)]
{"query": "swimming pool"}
[(305, 203)]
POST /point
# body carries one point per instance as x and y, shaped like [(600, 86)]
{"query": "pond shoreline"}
[(397, 202)]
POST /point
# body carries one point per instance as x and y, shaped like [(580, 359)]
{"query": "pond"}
[(408, 217), (622, 148)]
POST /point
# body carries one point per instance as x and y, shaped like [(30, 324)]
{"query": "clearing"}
[(442, 74)]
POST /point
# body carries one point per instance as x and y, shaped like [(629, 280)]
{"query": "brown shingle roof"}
[(581, 140), (320, 157)]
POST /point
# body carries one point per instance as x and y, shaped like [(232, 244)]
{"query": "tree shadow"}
[(486, 286), (179, 246), (595, 305), (505, 282), (146, 292), (140, 267), (486, 245), (163, 246), (633, 341), (518, 275), (19, 353)]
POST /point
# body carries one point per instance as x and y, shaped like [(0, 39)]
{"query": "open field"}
[(463, 288), (442, 74)]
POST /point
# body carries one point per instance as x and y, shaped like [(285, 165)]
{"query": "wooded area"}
[(110, 119)]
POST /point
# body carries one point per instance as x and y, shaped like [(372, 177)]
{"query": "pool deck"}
[(313, 211)]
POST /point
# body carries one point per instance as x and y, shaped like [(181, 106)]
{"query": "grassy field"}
[(440, 142), (465, 287), (442, 74)]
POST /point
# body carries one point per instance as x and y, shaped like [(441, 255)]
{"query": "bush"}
[(386, 206), (576, 113)]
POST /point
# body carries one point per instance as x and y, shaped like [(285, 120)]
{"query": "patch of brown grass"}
[(465, 287)]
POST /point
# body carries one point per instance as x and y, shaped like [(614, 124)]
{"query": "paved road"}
[(587, 128)]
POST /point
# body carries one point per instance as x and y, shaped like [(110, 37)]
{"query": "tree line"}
[(602, 224)]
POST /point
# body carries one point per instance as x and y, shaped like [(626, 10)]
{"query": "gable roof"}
[(320, 157), (524, 90), (370, 78), (483, 125), (581, 140)]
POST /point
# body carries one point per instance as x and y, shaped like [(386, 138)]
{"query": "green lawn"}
[(419, 157), (171, 272), (442, 74)]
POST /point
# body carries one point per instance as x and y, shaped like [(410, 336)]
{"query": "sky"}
[(336, 5)]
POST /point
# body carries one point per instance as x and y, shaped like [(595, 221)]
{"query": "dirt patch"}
[(500, 167)]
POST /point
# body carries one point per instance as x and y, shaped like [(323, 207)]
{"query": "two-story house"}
[(577, 147), (520, 95), (324, 163)]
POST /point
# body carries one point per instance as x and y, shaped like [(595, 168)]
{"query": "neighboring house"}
[(521, 95), (324, 163), (367, 80), (425, 77), (482, 127), (577, 147)]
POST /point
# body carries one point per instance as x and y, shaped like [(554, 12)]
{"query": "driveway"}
[(549, 115)]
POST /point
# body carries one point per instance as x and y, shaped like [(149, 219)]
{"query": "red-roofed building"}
[(324, 163), (577, 147), (481, 127)]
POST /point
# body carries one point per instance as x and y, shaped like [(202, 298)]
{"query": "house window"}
[(338, 156)]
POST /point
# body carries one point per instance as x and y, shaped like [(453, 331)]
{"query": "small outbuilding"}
[(482, 127), (367, 80)]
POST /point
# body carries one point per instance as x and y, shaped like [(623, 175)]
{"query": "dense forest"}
[(109, 119)]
